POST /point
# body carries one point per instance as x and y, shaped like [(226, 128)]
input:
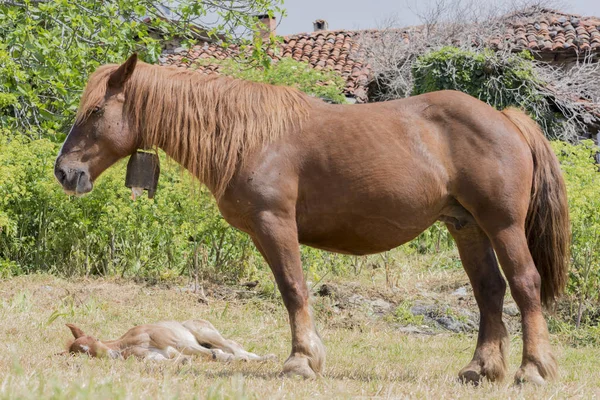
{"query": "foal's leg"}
[(479, 261), (206, 333), (276, 237), (538, 364), (197, 349)]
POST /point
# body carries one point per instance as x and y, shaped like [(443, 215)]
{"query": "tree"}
[(49, 47)]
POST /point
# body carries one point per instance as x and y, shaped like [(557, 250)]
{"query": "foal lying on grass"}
[(164, 340)]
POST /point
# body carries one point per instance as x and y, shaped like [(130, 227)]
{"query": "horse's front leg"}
[(276, 237)]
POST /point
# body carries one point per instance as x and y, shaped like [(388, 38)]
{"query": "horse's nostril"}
[(61, 175)]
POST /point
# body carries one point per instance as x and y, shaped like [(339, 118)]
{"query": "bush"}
[(499, 81), (105, 232), (325, 84), (583, 186)]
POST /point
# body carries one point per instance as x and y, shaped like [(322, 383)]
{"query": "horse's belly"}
[(356, 234)]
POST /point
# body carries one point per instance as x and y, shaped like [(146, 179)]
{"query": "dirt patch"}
[(444, 308)]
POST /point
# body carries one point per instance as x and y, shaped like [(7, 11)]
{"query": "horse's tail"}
[(547, 226)]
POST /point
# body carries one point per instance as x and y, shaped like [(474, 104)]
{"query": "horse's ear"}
[(77, 333), (119, 77)]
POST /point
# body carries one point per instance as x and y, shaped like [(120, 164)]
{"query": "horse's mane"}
[(207, 123)]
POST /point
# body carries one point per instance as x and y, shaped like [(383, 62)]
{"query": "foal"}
[(164, 340)]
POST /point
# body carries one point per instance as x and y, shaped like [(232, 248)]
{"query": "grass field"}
[(368, 356)]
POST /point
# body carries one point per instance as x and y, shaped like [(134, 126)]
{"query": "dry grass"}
[(367, 358)]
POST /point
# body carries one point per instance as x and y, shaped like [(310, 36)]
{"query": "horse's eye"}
[(96, 110)]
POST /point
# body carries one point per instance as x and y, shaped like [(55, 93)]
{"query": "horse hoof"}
[(478, 370), (537, 372), (529, 374), (298, 365)]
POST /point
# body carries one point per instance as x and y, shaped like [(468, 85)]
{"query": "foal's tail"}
[(547, 226)]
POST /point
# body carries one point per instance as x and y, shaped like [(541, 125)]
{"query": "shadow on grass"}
[(260, 373)]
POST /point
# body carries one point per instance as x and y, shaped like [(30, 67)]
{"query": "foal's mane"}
[(209, 124)]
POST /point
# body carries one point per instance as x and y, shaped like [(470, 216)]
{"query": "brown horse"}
[(357, 179)]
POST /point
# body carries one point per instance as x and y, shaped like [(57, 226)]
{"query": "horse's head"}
[(89, 345), (101, 134)]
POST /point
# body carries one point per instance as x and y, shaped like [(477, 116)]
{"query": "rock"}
[(437, 315), (411, 329), (450, 323), (455, 325), (472, 317), (422, 309), (381, 305), (511, 310), (356, 299), (461, 291)]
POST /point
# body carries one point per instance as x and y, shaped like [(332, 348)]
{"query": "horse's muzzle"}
[(74, 180)]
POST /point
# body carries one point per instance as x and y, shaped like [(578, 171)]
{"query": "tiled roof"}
[(550, 31), (335, 50), (551, 34), (198, 53)]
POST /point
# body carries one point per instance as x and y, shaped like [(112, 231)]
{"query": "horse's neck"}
[(179, 159)]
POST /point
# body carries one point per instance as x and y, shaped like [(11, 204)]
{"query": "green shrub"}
[(497, 80), (435, 239), (105, 232), (404, 316), (583, 186), (325, 84)]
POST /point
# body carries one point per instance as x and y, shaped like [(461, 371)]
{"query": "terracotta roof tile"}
[(551, 31)]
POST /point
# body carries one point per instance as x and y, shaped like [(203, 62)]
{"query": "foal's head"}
[(101, 134), (89, 345)]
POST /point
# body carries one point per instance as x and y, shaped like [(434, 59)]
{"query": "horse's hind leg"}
[(538, 363), (504, 224), (479, 261)]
